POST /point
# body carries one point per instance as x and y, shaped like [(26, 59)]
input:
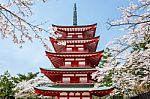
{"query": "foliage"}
[(23, 77), (100, 75), (14, 16), (129, 60), (7, 86), (21, 86)]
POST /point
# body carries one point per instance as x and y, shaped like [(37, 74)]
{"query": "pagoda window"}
[(80, 36), (71, 33), (79, 33), (68, 75), (85, 94), (81, 75), (82, 63), (86, 98), (66, 79), (83, 79), (69, 59), (63, 98), (70, 45), (74, 98), (80, 59), (71, 94), (63, 94), (69, 49), (79, 45), (80, 49), (69, 36), (67, 63), (77, 94)]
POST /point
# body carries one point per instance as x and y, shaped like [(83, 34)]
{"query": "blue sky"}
[(32, 55)]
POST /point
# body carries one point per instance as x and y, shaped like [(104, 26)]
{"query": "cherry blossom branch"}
[(15, 20)]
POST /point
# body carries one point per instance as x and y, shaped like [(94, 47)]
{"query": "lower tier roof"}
[(74, 88), (69, 69), (55, 90)]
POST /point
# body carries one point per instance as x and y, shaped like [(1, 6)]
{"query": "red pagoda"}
[(74, 61)]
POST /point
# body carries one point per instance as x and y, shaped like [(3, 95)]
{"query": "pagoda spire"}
[(75, 15)]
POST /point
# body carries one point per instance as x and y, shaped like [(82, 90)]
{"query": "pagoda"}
[(74, 61)]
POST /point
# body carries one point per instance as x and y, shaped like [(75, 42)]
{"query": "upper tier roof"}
[(71, 29), (76, 41), (78, 26), (60, 45)]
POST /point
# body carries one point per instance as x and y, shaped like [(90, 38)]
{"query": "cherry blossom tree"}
[(14, 16), (129, 62), (26, 87)]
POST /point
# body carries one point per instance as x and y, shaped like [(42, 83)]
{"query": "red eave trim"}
[(46, 92), (101, 93), (45, 71), (64, 29), (74, 26), (75, 38), (49, 54), (95, 39), (56, 93)]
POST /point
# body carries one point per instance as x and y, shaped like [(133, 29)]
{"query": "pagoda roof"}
[(90, 43), (54, 74), (92, 54), (74, 26), (65, 29), (73, 89), (57, 59), (67, 70), (76, 40), (56, 89)]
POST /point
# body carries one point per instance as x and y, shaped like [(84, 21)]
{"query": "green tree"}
[(23, 77), (6, 86), (107, 81)]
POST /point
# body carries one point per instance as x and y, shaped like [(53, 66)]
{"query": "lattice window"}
[(80, 49), (67, 63), (83, 79), (82, 63), (66, 79), (69, 49)]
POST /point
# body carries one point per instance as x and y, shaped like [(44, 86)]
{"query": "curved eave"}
[(101, 91), (87, 40), (45, 92), (49, 54), (61, 31), (78, 26), (68, 70), (71, 29)]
